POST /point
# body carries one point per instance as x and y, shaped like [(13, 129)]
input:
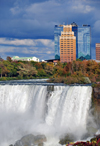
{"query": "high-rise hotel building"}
[(97, 51), (67, 44), (83, 42)]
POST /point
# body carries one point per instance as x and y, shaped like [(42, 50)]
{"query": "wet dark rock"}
[(50, 88), (96, 92), (97, 136), (31, 140), (66, 139), (96, 104), (93, 139)]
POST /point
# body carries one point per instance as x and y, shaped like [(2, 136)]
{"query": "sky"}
[(27, 26)]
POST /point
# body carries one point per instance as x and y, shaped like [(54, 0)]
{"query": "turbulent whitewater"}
[(38, 109)]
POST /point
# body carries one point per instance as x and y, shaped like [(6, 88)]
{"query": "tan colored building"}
[(97, 51), (67, 44)]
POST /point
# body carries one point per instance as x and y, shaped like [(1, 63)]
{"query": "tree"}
[(3, 69), (38, 65), (26, 70), (1, 59), (41, 73), (49, 69), (9, 66), (68, 67), (92, 66), (9, 58), (43, 65)]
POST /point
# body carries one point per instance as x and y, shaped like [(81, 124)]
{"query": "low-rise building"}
[(17, 58), (54, 61)]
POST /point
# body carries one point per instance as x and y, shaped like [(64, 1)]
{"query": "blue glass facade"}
[(57, 34), (75, 29), (84, 42)]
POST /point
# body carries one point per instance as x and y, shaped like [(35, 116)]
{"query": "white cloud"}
[(17, 42), (2, 50), (8, 49), (46, 42), (40, 8), (37, 19), (48, 52), (88, 8), (26, 42), (82, 8), (27, 47), (97, 26), (16, 10)]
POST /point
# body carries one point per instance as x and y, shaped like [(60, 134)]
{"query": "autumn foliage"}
[(69, 73), (74, 72), (94, 143)]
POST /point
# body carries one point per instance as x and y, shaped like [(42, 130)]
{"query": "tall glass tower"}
[(57, 34), (84, 42), (75, 30)]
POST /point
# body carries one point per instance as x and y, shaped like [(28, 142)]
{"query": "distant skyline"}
[(27, 26)]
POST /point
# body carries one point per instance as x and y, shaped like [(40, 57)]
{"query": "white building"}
[(17, 58)]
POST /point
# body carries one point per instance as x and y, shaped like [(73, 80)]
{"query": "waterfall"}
[(26, 109), (68, 109)]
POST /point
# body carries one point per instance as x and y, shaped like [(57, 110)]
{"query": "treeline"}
[(24, 70), (61, 72), (76, 72)]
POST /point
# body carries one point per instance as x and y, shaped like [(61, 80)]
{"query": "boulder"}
[(31, 140), (66, 139)]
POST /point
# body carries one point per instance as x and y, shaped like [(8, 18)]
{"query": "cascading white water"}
[(26, 109), (68, 110)]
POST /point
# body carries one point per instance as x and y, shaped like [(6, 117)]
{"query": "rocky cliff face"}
[(96, 93), (96, 103), (31, 140)]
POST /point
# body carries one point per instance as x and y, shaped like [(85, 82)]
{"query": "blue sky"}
[(27, 26)]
